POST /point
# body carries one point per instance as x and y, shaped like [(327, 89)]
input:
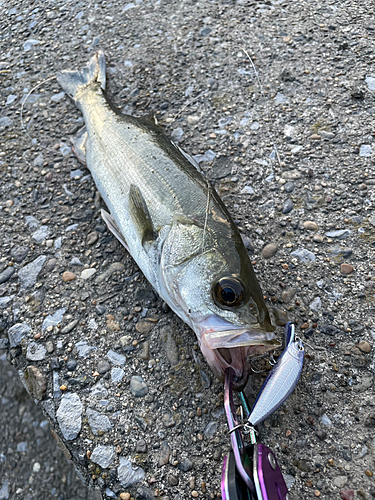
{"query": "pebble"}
[(340, 481), (310, 225), (99, 423), (68, 276), (171, 348), (288, 187), (318, 238), (103, 367), (173, 480), (71, 365), (116, 267), (6, 274), (269, 251), (364, 346), (22, 447), (346, 268), (347, 494), (185, 465), (128, 475), (84, 349), (100, 310), (287, 206), (76, 262), (316, 305), (116, 358), (210, 429), (41, 234), (291, 175), (315, 137), (69, 415), (138, 386), (92, 238), (194, 494), (124, 496), (49, 346), (35, 382), (35, 351), (165, 453), (103, 456), (141, 446), (17, 332), (70, 326), (145, 352), (304, 255), (53, 319), (365, 150), (50, 266), (18, 253), (247, 190), (87, 273), (281, 317), (287, 295), (144, 326), (339, 233), (117, 374), (29, 273), (369, 473), (325, 420)]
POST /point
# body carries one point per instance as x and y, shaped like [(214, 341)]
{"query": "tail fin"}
[(74, 81)]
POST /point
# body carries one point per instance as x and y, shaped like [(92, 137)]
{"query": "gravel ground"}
[(121, 379)]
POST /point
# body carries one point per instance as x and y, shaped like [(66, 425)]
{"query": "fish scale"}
[(174, 225)]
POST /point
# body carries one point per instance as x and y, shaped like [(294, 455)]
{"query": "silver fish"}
[(281, 380), (174, 225)]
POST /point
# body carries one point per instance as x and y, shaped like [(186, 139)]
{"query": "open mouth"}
[(225, 345)]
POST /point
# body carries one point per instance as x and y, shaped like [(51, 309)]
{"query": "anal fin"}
[(113, 227), (140, 215)]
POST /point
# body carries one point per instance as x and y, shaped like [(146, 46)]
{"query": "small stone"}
[(41, 234), (287, 206), (339, 233), (35, 382), (116, 358), (311, 226), (318, 238), (17, 332), (103, 367), (127, 475), (87, 273), (185, 465), (288, 187), (346, 268), (117, 374), (70, 326), (141, 446), (369, 473), (84, 349), (317, 493), (340, 481), (18, 253), (287, 295), (115, 267), (321, 434), (63, 387), (50, 347), (69, 415), (347, 494), (6, 274), (194, 494), (100, 310), (138, 386), (165, 453), (173, 480), (145, 353), (325, 420), (53, 319), (71, 365), (304, 255), (125, 496), (281, 317), (29, 273), (269, 251), (364, 346), (316, 305), (144, 326), (315, 137), (99, 423), (304, 326), (35, 351), (92, 238), (68, 276), (210, 429), (365, 150), (103, 456)]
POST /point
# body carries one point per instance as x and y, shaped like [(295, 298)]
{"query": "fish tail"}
[(73, 82)]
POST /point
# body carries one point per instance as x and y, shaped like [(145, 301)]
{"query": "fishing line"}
[(261, 88), (22, 120)]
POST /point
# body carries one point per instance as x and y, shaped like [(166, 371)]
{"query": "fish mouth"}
[(226, 345)]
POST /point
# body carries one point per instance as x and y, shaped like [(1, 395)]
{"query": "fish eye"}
[(228, 292)]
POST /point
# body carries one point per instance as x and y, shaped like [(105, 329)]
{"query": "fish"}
[(174, 225), (282, 379)]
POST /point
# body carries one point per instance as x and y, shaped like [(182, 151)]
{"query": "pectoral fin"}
[(113, 227), (79, 145), (140, 215)]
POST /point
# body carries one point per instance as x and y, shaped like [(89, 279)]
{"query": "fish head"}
[(224, 305)]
